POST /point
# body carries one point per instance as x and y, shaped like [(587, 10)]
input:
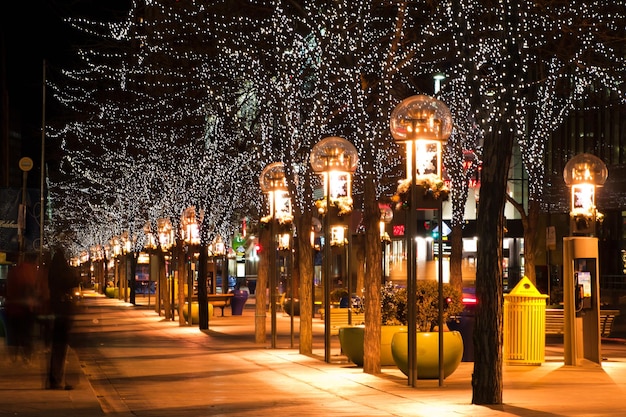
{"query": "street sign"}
[(26, 164)]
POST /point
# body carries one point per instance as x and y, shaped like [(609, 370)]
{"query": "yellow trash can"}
[(524, 325)]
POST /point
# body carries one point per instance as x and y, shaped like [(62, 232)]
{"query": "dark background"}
[(31, 32)]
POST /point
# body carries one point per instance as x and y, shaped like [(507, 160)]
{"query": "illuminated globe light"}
[(424, 124), (166, 233), (272, 182), (336, 159), (583, 173), (189, 226)]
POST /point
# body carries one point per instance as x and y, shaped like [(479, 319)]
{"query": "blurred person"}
[(62, 280), (44, 312), (20, 309)]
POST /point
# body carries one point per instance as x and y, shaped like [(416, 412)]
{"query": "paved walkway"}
[(128, 361)]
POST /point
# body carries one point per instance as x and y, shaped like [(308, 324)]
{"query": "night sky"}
[(32, 32)]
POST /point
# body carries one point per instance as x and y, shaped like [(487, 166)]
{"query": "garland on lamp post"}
[(434, 189)]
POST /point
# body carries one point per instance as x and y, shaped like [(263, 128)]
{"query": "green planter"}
[(428, 353), (114, 292), (351, 339)]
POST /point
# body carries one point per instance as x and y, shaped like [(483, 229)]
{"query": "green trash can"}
[(524, 325)]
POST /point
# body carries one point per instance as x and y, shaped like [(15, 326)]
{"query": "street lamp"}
[(127, 247), (273, 183), (117, 274), (423, 123), (581, 290), (336, 159), (165, 240), (190, 232), (219, 252), (583, 173), (386, 216)]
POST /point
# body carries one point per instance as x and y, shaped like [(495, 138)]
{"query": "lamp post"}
[(126, 250), (423, 123), (272, 182), (190, 232), (386, 216), (220, 254), (117, 250), (166, 240), (151, 245), (96, 257), (106, 254), (336, 160), (583, 173), (581, 292)]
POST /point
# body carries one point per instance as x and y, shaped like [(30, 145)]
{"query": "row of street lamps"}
[(421, 122)]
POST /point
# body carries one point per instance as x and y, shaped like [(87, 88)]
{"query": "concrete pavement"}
[(128, 361)]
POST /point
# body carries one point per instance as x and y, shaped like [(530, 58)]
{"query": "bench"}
[(555, 321), (339, 318), (220, 300)]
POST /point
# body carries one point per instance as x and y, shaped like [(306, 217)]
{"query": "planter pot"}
[(428, 353), (114, 292), (287, 307), (238, 302), (351, 340), (195, 312)]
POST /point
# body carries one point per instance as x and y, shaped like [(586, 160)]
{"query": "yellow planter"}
[(195, 313), (351, 339), (428, 353)]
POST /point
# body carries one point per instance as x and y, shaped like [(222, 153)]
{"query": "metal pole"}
[(412, 273), (293, 289), (272, 275), (327, 272), (349, 274), (440, 285), (21, 232), (190, 254), (43, 164)]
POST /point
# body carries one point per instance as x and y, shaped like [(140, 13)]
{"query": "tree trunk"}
[(373, 260), (162, 290), (487, 375), (530, 223), (358, 249), (530, 240), (456, 257), (181, 267), (132, 257), (260, 331), (305, 267)]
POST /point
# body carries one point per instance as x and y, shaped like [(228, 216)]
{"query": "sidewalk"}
[(131, 362)]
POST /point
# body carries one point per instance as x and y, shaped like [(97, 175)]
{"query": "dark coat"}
[(62, 282)]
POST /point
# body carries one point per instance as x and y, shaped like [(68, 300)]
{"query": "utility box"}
[(524, 325)]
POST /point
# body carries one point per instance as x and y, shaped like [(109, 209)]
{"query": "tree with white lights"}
[(192, 101), (521, 68)]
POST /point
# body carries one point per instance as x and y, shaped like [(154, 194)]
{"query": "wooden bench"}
[(555, 321), (220, 300), (339, 318), (555, 324), (606, 321)]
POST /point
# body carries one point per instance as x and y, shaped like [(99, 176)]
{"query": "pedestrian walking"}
[(20, 309), (62, 282)]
